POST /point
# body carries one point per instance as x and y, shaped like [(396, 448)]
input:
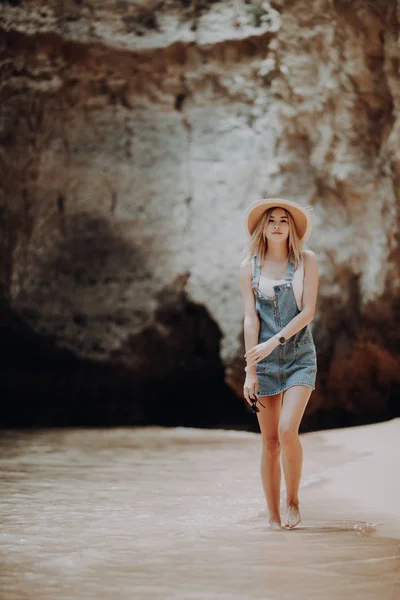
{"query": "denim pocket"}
[(305, 354)]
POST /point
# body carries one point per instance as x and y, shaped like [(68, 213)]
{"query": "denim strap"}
[(255, 270), (289, 271)]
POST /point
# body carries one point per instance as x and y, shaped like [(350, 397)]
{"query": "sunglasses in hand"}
[(253, 406)]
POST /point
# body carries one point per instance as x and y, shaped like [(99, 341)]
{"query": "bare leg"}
[(268, 419), (294, 404)]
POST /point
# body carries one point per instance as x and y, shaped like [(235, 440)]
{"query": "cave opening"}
[(44, 385)]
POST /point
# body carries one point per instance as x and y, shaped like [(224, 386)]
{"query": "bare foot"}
[(274, 524), (293, 516)]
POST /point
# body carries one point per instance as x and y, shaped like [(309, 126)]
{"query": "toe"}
[(293, 517)]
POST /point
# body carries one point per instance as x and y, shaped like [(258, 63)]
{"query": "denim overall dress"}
[(292, 363)]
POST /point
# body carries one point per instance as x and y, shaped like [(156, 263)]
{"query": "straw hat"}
[(300, 214)]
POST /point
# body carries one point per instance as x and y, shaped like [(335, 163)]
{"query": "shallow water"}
[(175, 514)]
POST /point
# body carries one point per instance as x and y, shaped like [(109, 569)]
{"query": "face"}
[(277, 227)]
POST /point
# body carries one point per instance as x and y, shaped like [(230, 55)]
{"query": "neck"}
[(277, 253)]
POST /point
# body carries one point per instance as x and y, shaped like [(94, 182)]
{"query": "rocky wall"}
[(134, 135)]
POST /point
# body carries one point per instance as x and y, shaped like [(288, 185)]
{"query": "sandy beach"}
[(179, 513), (368, 479)]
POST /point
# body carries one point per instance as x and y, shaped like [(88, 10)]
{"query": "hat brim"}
[(300, 215)]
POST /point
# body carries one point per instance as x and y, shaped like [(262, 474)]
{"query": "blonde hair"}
[(258, 244)]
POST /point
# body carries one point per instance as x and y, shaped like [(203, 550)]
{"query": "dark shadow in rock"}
[(91, 287), (42, 385), (168, 372)]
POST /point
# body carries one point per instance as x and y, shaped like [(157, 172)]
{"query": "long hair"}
[(258, 244)]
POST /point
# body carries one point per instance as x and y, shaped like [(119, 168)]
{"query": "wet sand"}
[(179, 514)]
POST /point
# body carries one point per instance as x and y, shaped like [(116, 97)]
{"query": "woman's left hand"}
[(257, 353)]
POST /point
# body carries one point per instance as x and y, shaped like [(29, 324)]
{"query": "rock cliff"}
[(134, 135)]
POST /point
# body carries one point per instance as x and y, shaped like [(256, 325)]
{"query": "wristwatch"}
[(281, 339)]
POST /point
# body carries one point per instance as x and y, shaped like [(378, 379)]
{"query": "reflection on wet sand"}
[(178, 514)]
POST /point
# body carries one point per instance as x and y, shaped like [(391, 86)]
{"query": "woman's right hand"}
[(250, 386)]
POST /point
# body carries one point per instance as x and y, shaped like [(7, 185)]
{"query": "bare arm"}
[(251, 328), (251, 319), (310, 293)]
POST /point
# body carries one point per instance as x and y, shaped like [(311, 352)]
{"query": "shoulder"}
[(310, 262), (309, 257), (245, 265), (246, 272)]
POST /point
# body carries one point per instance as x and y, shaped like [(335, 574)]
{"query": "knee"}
[(271, 446), (287, 435)]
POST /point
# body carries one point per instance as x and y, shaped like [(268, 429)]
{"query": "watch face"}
[(282, 340)]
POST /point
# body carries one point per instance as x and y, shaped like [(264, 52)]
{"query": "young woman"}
[(279, 284)]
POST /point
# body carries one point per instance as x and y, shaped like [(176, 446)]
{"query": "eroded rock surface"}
[(134, 135)]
